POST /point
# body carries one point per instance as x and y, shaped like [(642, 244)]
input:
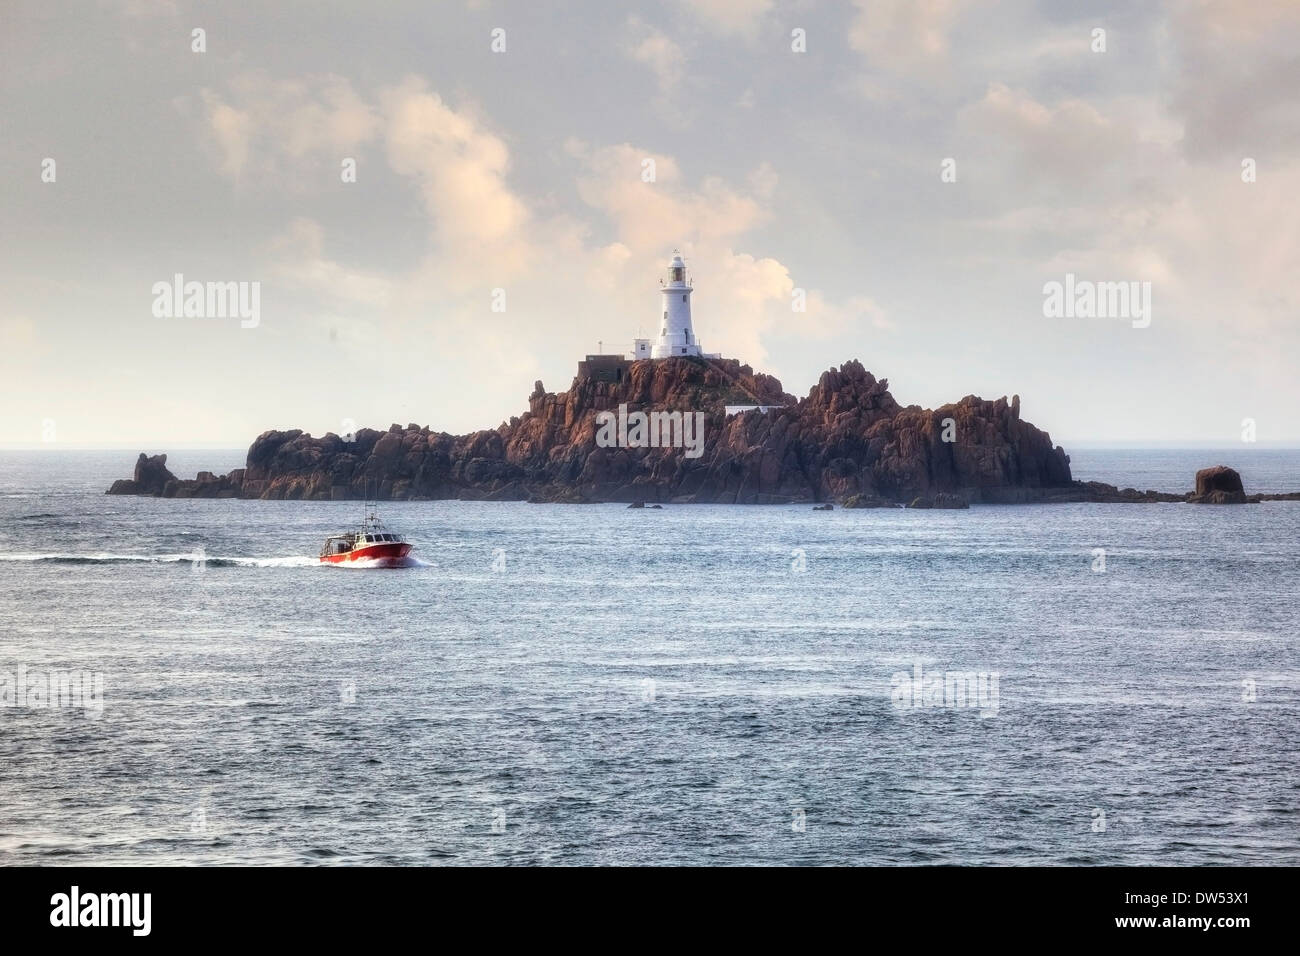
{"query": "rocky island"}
[(848, 441)]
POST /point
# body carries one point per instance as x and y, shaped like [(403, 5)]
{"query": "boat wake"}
[(410, 561), (292, 561)]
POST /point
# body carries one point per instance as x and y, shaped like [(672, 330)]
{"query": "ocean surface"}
[(693, 685)]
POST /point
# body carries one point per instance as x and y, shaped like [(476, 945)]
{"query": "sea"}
[(181, 682)]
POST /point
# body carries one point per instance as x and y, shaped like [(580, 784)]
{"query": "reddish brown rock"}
[(1219, 485), (847, 438), (151, 478)]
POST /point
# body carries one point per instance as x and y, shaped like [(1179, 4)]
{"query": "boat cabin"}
[(338, 544), (343, 543)]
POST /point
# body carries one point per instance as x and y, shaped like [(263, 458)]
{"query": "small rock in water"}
[(1219, 485), (867, 501)]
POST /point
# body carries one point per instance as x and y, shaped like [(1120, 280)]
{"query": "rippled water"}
[(657, 686)]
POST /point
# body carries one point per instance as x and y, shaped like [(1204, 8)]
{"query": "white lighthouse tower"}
[(676, 334)]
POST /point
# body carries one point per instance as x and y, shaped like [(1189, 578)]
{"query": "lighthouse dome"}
[(677, 271)]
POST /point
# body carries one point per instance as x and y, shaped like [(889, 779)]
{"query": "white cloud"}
[(654, 48), (276, 128), (1236, 76), (484, 233), (904, 35), (741, 297), (460, 167), (232, 129), (666, 212), (298, 258), (730, 17), (1071, 140)]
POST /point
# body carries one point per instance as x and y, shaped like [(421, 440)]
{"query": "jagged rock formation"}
[(848, 440), (1219, 485), (151, 478)]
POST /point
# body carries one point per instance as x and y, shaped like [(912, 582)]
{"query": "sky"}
[(915, 173)]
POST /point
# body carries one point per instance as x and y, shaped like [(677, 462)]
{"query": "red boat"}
[(372, 544)]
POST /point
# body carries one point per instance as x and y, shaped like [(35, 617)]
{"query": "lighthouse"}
[(676, 335)]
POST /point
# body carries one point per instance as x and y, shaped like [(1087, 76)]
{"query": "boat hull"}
[(385, 554)]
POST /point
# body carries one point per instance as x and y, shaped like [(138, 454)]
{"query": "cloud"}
[(461, 170), (299, 259), (655, 49), (730, 17), (1107, 188), (903, 36), (294, 133), (740, 297), (274, 128), (1237, 71), (485, 234), (232, 129), (661, 214), (1069, 141), (763, 181)]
